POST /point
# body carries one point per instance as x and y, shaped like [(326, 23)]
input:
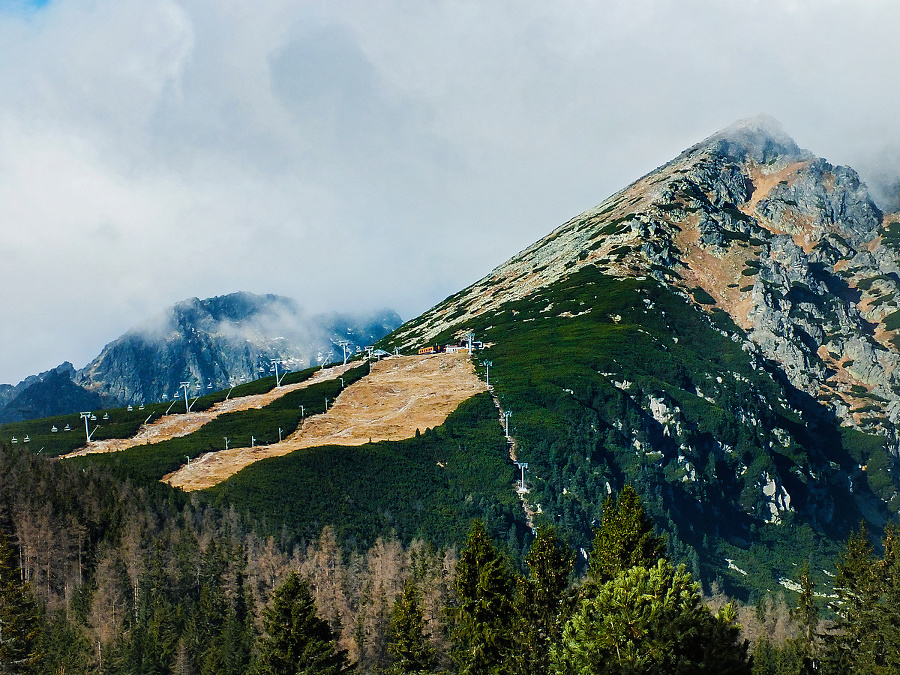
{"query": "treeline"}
[(177, 587), (103, 577), (633, 613), (98, 576)]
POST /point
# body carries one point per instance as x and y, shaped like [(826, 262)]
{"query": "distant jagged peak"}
[(760, 138), (236, 306)]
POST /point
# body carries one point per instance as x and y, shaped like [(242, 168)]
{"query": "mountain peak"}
[(760, 138)]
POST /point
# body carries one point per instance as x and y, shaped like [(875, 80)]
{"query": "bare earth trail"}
[(174, 426), (400, 395)]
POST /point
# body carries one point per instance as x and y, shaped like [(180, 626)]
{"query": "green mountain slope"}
[(624, 381), (427, 487), (722, 334)]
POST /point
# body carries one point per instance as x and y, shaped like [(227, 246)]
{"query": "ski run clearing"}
[(177, 425), (399, 396)]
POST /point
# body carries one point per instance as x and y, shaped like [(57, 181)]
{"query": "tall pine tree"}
[(409, 644), (20, 621), (541, 602), (625, 539), (806, 615), (296, 640), (865, 638), (483, 618)]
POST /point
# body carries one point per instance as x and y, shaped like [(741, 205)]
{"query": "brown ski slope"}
[(400, 395), (174, 426)]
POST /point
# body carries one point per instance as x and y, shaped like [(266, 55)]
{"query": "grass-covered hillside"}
[(50, 437), (609, 381), (428, 487), (614, 381)]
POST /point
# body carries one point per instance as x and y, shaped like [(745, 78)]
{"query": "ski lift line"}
[(87, 416)]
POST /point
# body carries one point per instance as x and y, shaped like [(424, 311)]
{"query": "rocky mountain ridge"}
[(211, 343), (721, 334), (789, 246)]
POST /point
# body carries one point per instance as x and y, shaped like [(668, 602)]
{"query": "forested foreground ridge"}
[(97, 576)]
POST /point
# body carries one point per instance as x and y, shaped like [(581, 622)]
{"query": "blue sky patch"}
[(22, 5)]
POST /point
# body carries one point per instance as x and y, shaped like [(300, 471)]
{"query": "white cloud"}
[(385, 152)]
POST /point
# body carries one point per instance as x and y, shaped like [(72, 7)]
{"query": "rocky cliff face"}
[(210, 343), (791, 247)]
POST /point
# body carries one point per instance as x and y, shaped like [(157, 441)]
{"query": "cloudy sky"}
[(377, 153)]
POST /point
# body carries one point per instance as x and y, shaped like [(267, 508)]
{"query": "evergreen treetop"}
[(649, 620), (409, 644), (296, 640), (484, 616), (542, 603), (625, 539)]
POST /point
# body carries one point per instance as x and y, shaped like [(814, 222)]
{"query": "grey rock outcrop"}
[(211, 344)]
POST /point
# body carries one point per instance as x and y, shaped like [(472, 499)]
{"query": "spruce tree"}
[(541, 602), (483, 618), (865, 637), (807, 617), (848, 645), (625, 539), (649, 621), (888, 571), (296, 640), (20, 622), (409, 644)]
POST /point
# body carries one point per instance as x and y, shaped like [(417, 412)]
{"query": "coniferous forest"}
[(102, 576)]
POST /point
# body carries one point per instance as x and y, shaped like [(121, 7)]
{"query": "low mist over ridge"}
[(211, 343)]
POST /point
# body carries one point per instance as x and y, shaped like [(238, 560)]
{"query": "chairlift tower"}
[(86, 416), (522, 466), (487, 372), (185, 385), (470, 341), (345, 348), (278, 379), (506, 416)]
